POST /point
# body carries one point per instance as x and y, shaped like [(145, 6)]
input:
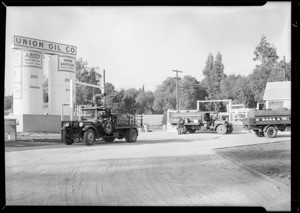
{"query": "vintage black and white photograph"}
[(148, 106)]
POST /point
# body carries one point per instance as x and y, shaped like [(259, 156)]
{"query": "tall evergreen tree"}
[(214, 73), (266, 54)]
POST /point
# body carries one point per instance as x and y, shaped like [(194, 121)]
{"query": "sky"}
[(142, 45)]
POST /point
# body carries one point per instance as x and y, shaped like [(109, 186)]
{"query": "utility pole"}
[(177, 97)]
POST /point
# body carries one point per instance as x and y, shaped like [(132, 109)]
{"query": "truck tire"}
[(192, 131), (108, 127), (65, 139), (89, 137), (131, 135), (109, 140), (229, 129), (258, 133), (221, 129), (271, 132), (183, 130)]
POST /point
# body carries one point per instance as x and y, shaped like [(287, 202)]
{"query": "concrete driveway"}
[(160, 169)]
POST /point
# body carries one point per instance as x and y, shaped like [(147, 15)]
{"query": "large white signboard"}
[(67, 64), (31, 59), (21, 42)]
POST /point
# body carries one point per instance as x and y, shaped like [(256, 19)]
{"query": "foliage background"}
[(247, 90)]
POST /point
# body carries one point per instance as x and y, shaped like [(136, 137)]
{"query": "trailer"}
[(267, 122)]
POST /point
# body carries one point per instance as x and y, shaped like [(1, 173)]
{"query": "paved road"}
[(160, 169)]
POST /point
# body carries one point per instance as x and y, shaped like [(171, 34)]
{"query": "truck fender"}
[(217, 126), (266, 127), (86, 127)]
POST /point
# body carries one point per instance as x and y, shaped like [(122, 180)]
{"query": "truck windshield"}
[(88, 114)]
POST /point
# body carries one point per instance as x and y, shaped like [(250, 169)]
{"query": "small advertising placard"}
[(67, 64), (17, 90), (32, 59)]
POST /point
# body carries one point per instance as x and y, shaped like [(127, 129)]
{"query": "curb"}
[(279, 185)]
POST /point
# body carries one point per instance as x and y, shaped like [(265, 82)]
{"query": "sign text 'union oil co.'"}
[(47, 46)]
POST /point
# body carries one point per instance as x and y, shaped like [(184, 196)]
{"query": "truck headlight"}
[(67, 124), (80, 124)]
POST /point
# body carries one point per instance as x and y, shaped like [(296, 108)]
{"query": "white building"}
[(278, 95)]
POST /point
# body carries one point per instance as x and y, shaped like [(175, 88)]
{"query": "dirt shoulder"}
[(271, 159), (29, 140)]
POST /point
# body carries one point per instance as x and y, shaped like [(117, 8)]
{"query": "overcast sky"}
[(142, 45)]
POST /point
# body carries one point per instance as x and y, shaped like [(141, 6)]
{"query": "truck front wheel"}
[(65, 138), (131, 135), (89, 137), (184, 130), (221, 129), (229, 129), (271, 132)]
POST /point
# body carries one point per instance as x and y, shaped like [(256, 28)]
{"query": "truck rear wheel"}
[(271, 132), (131, 135), (89, 137), (221, 129), (65, 139)]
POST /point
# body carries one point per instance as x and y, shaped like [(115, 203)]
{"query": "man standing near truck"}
[(180, 123)]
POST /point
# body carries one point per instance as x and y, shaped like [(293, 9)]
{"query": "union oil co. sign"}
[(46, 46)]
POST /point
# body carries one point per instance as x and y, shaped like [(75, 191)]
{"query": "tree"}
[(281, 72), (110, 93), (8, 102), (144, 101), (123, 101), (45, 91), (189, 92), (227, 87), (165, 96), (242, 93), (128, 99), (89, 75), (214, 73), (208, 73), (266, 54)]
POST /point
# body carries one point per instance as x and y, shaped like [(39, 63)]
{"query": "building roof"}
[(278, 91)]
